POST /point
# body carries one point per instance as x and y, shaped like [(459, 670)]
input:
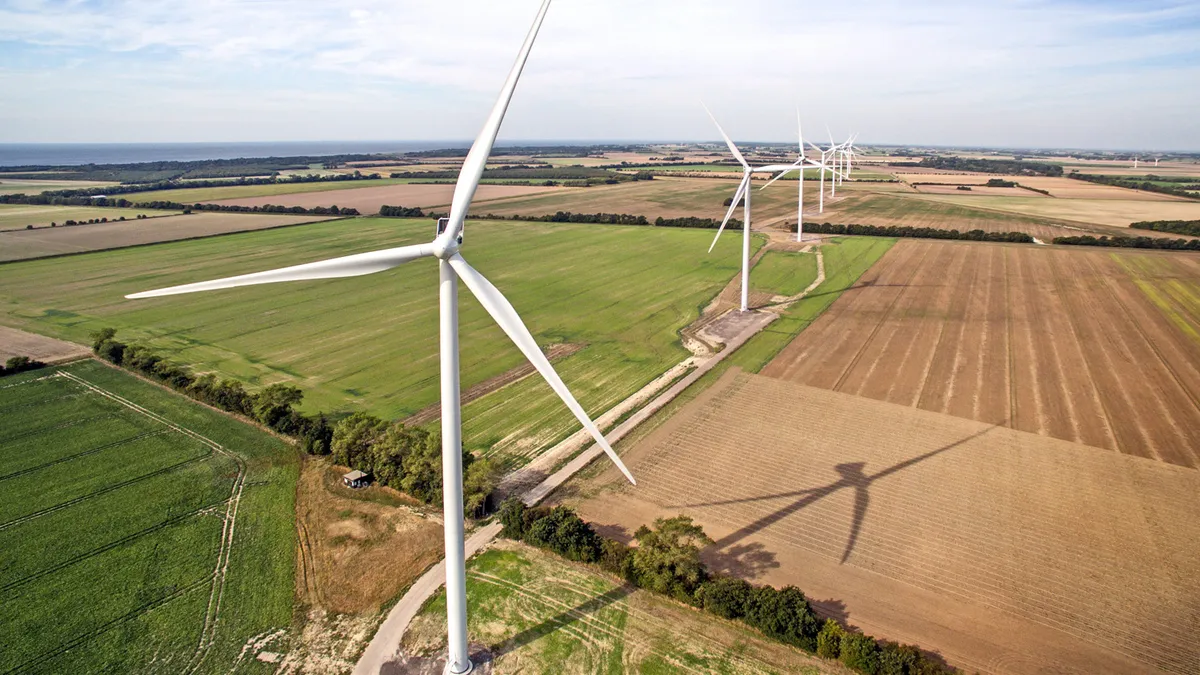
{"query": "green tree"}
[(860, 653), (352, 439), (667, 557), (101, 336), (725, 596), (273, 405), (829, 640)]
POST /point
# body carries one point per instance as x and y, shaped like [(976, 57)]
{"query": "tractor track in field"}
[(82, 453)]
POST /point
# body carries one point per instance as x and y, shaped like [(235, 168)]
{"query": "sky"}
[(1021, 73)]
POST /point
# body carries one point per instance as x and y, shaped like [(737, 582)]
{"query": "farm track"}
[(1122, 579), (1056, 342)]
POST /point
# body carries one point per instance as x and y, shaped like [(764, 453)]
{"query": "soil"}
[(358, 548), (15, 342), (1002, 550), (368, 200), (1055, 341)]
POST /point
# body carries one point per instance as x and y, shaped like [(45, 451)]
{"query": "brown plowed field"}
[(1091, 346), (368, 200), (1006, 551)]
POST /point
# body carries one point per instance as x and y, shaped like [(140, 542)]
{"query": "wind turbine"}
[(451, 267), (743, 191), (802, 163)]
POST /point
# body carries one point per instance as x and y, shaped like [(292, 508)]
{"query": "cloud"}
[(935, 72)]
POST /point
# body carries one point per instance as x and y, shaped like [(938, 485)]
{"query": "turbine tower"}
[(801, 163), (451, 268), (743, 191)]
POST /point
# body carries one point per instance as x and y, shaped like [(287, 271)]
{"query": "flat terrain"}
[(1084, 212), (1092, 346), (18, 216), (37, 243), (208, 194), (538, 613), (368, 199), (1007, 552), (10, 186), (370, 343), (15, 342), (139, 532)]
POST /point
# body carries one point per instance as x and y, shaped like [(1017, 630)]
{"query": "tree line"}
[(131, 188), (571, 176), (19, 364), (1011, 167), (666, 560), (1131, 242), (401, 457), (1188, 227), (144, 172), (174, 206), (916, 232), (1133, 183), (608, 219)]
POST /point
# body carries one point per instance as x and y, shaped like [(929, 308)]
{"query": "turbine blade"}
[(502, 311), (346, 266), (737, 196), (472, 168), (732, 147), (781, 175)]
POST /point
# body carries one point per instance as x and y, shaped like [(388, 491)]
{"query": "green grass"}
[(9, 186), (541, 614), (16, 216), (784, 273), (720, 168), (109, 534), (370, 343), (197, 195)]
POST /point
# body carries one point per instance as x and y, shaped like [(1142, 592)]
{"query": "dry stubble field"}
[(1091, 346), (368, 199), (1003, 550)]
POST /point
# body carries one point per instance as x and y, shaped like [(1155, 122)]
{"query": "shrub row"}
[(19, 364), (1188, 227), (667, 560), (408, 459), (1131, 242), (915, 232)]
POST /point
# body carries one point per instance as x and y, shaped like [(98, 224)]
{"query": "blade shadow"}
[(852, 477)]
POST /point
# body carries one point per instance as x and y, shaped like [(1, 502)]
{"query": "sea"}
[(63, 154)]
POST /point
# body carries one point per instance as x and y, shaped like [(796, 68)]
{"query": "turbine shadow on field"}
[(564, 618), (852, 477)]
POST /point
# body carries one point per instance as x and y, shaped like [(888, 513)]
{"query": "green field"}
[(115, 497), (17, 216), (10, 186), (784, 273), (197, 195), (538, 613), (719, 168), (370, 343)]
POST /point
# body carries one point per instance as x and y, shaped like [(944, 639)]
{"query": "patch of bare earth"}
[(1004, 551), (15, 342)]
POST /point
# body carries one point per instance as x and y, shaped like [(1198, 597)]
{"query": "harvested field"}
[(18, 216), (1069, 188), (15, 342), (666, 197), (358, 548), (39, 243), (948, 213), (1085, 212), (538, 613), (975, 191), (1084, 345), (368, 199), (208, 194), (11, 186), (1007, 552)]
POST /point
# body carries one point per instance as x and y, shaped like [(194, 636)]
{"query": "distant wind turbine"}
[(451, 267), (802, 163)]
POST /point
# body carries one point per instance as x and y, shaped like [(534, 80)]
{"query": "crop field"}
[(538, 613), (41, 242), (954, 213), (139, 532), (960, 536), (1084, 212), (1088, 346), (17, 216), (666, 197), (783, 272), (15, 342), (209, 194), (715, 168), (368, 199), (11, 186), (371, 342)]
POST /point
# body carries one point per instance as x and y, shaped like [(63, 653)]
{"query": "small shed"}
[(356, 479)]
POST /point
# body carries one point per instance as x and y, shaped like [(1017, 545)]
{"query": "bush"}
[(564, 532), (898, 659), (726, 597), (667, 557), (20, 364), (860, 653), (785, 615), (829, 640)]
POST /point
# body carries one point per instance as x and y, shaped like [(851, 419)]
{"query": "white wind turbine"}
[(743, 191), (802, 163), (452, 267)]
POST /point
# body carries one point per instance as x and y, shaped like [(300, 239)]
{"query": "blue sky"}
[(1029, 73)]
